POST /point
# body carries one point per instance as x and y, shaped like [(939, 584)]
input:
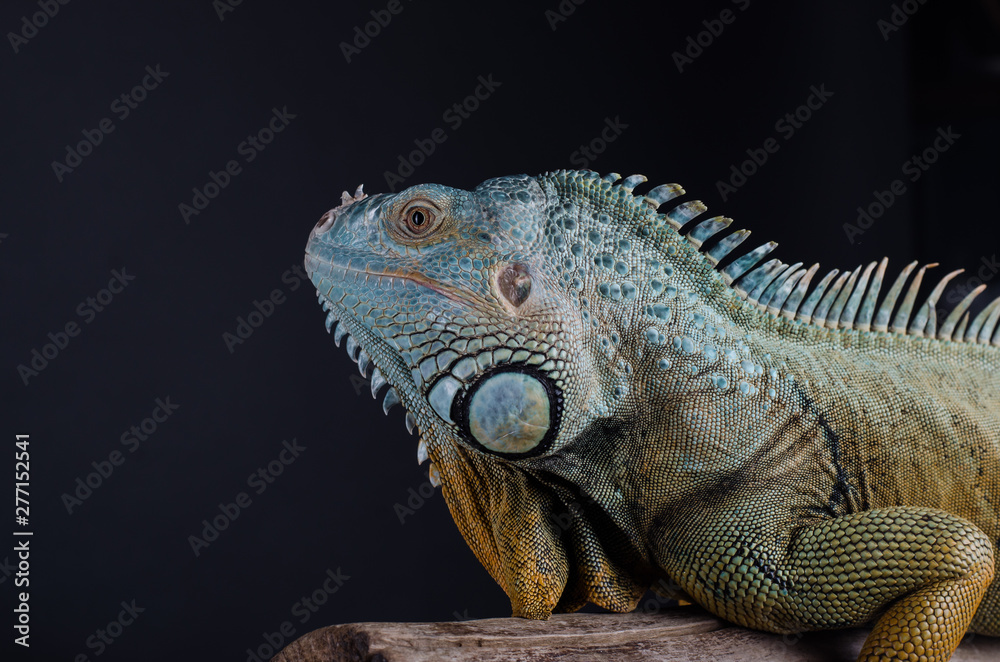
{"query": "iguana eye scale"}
[(510, 411)]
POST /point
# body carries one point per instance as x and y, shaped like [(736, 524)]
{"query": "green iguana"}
[(606, 405)]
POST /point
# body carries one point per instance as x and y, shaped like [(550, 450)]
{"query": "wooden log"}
[(677, 634)]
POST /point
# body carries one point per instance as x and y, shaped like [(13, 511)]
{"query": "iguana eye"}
[(416, 218), (419, 220)]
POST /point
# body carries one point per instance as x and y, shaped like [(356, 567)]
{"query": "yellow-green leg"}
[(987, 620), (918, 574), (925, 571)]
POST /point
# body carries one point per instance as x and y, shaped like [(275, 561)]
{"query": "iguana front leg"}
[(922, 573)]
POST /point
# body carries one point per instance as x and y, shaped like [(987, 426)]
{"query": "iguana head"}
[(524, 327)]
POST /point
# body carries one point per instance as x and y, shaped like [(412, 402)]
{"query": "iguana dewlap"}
[(604, 407)]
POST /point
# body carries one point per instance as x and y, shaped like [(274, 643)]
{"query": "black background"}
[(558, 83)]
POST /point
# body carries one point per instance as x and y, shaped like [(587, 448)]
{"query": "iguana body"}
[(604, 408)]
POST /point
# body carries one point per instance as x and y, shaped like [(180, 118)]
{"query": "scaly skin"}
[(603, 408)]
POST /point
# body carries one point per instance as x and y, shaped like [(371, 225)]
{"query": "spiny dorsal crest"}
[(840, 300)]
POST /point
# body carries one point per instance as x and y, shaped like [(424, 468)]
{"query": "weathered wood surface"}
[(678, 634)]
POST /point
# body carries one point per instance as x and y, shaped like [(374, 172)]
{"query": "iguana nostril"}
[(327, 220), (324, 221), (515, 283)]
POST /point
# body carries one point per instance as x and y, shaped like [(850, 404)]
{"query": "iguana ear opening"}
[(514, 283)]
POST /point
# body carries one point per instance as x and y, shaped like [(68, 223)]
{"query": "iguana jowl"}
[(603, 406)]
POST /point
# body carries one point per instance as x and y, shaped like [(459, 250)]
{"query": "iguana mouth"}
[(406, 275)]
